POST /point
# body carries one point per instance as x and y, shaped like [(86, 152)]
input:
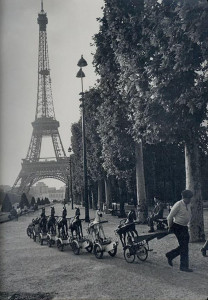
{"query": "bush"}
[(6, 205), (24, 201), (32, 203)]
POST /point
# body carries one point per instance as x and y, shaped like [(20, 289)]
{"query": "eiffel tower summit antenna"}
[(35, 168), (42, 5)]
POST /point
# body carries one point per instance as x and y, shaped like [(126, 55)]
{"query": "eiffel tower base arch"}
[(32, 172)]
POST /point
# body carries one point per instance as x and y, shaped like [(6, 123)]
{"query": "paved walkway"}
[(28, 268)]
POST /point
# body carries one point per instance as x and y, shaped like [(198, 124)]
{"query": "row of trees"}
[(24, 202), (146, 127)]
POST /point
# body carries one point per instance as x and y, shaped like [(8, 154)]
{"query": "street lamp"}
[(68, 198), (70, 170), (82, 63)]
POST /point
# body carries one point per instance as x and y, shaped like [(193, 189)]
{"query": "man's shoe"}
[(186, 270), (203, 252), (169, 260)]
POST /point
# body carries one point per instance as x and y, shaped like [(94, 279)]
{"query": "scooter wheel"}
[(113, 252), (129, 255), (34, 237), (142, 253), (60, 246), (98, 251), (90, 247), (40, 240), (49, 242), (28, 232), (75, 247)]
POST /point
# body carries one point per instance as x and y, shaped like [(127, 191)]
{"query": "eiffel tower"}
[(35, 168)]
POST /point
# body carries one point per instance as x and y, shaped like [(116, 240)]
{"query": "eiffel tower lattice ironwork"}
[(35, 168)]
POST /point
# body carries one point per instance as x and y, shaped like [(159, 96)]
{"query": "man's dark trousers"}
[(182, 235)]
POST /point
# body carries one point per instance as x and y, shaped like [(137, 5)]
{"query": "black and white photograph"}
[(104, 149)]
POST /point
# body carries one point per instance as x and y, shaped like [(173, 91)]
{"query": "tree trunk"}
[(94, 196), (193, 183), (78, 199), (82, 199), (173, 180), (100, 194), (140, 183), (121, 198), (155, 188), (108, 198), (90, 196)]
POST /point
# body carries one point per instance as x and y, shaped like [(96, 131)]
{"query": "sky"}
[(71, 25)]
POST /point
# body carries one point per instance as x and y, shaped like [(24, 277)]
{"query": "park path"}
[(28, 268)]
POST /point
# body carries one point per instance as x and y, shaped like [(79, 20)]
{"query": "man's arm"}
[(172, 213)]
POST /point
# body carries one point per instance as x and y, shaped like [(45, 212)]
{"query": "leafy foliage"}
[(77, 159), (94, 159), (177, 72), (151, 57), (117, 144)]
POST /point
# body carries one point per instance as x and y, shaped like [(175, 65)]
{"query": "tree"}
[(194, 17), (118, 148), (124, 32), (165, 89), (2, 196), (77, 160), (93, 101), (32, 203), (24, 201), (46, 200), (117, 144), (204, 174), (96, 172), (42, 202), (6, 204), (173, 114)]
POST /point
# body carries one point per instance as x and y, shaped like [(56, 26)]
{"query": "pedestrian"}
[(43, 213), (204, 248), (19, 211), (178, 220), (156, 214), (43, 221), (64, 212)]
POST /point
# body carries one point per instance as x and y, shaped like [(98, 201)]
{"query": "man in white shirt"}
[(178, 220)]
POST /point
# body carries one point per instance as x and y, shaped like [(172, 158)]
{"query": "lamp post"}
[(82, 63), (70, 172), (68, 198)]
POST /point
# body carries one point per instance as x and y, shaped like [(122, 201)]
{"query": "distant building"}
[(55, 194), (41, 190)]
